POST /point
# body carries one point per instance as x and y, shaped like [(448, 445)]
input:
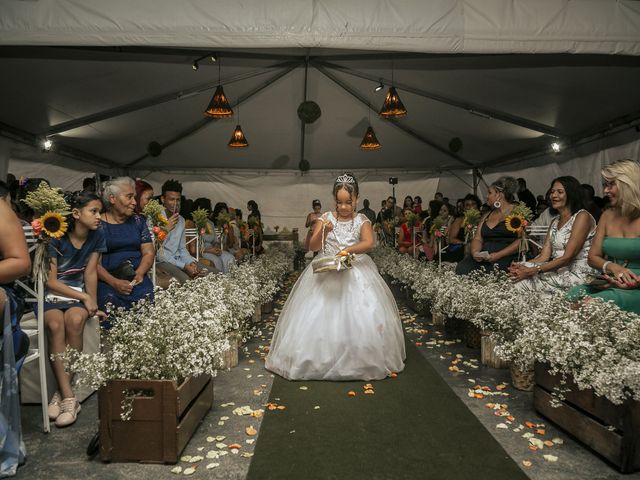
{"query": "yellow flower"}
[(53, 224), (514, 223), (162, 219)]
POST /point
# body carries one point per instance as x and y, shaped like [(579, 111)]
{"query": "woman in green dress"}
[(616, 246)]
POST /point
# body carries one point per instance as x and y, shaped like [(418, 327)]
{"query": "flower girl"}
[(340, 325)]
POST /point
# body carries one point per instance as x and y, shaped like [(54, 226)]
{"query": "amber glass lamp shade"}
[(392, 106), (238, 140), (370, 141), (219, 105)]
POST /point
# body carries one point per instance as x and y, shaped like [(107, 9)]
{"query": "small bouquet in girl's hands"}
[(155, 215), (200, 218), (51, 210), (470, 223), (438, 228), (517, 222)]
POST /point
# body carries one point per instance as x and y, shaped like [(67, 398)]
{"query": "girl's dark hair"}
[(574, 192), (417, 199), (470, 197), (508, 186), (347, 181), (219, 207), (79, 200), (434, 208), (254, 212), (203, 203), (404, 203)]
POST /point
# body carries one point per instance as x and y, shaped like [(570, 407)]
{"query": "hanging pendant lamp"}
[(370, 141), (238, 140), (392, 106), (219, 105)]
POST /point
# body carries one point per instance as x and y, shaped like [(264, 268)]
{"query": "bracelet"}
[(538, 268), (604, 267)]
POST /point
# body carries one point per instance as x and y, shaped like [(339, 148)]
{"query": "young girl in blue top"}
[(70, 296)]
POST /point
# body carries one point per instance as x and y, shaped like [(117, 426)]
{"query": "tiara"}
[(345, 178)]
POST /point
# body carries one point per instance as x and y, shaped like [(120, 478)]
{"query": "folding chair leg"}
[(42, 359)]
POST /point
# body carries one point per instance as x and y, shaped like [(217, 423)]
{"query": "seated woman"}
[(562, 263), (144, 193), (218, 243), (406, 239), (616, 246), (70, 296), (433, 212), (438, 233), (456, 234), (130, 252), (493, 245), (254, 219), (14, 263)]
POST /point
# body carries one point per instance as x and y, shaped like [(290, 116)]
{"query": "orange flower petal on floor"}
[(235, 445), (368, 392), (281, 407), (393, 375), (533, 448), (548, 443), (540, 431), (251, 431), (351, 393), (529, 424)]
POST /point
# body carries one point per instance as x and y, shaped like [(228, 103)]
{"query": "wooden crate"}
[(472, 337), (612, 431), (161, 424), (267, 307), (488, 356), (229, 358)]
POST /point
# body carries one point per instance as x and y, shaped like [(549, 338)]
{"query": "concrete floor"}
[(61, 454)]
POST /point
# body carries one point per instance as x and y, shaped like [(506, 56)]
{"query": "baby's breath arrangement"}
[(184, 331), (595, 342)]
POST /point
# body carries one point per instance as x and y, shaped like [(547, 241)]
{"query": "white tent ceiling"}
[(493, 73)]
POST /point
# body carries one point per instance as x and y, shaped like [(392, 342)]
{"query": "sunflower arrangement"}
[(201, 219), (155, 216), (517, 222), (470, 223), (50, 222)]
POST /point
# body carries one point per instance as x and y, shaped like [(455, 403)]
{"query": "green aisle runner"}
[(413, 427)]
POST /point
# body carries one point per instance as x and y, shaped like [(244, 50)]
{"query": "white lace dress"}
[(567, 277), (339, 325)]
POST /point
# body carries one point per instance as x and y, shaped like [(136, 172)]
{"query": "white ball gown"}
[(339, 325)]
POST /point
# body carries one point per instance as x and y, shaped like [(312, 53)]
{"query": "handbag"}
[(331, 263), (124, 271)]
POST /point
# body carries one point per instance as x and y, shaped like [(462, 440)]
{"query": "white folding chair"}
[(539, 232), (36, 295), (191, 235)]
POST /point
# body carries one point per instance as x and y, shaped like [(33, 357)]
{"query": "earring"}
[(497, 204)]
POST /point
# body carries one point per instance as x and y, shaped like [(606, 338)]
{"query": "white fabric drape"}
[(435, 26)]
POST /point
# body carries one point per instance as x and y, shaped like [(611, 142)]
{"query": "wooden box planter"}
[(229, 359), (161, 423), (257, 314), (589, 418), (437, 318), (472, 337), (488, 356), (267, 307)]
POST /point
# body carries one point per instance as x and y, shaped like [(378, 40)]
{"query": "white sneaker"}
[(54, 406), (69, 409)]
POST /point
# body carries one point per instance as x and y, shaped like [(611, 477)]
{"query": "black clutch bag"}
[(124, 271)]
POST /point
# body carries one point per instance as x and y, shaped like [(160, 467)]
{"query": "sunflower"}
[(53, 224), (515, 223)]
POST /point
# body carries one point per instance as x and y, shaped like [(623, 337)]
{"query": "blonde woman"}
[(616, 246)]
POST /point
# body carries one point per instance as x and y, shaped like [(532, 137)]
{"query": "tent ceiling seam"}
[(461, 104), (206, 121), (396, 123)]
